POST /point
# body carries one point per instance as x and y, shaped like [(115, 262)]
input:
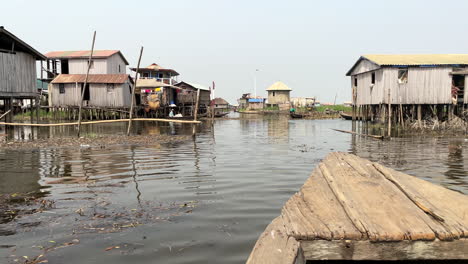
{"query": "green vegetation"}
[(271, 108), (343, 108), (43, 114)]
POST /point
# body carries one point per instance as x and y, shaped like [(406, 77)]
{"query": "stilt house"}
[(108, 84), (17, 69), (436, 81)]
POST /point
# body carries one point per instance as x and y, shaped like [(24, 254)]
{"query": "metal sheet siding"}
[(99, 95), (364, 66), (425, 86), (113, 63), (80, 66), (17, 74)]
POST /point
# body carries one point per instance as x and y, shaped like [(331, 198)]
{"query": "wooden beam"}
[(133, 93), (85, 83), (366, 250), (4, 114), (355, 133)]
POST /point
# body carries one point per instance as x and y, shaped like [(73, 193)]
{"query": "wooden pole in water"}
[(133, 93), (85, 83), (4, 114), (196, 106), (389, 113)]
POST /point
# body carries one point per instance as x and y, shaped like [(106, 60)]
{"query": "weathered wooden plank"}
[(366, 250), (320, 209), (432, 199), (274, 246), (375, 206), (431, 220)]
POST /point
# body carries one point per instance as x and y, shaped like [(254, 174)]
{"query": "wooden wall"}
[(192, 97), (424, 86), (80, 66), (364, 66), (17, 75), (113, 63), (99, 95)]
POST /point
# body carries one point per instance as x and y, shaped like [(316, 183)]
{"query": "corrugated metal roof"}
[(77, 54), (418, 59), (156, 68), (6, 37), (92, 78), (194, 85), (279, 86)]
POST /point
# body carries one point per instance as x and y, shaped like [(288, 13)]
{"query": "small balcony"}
[(170, 81)]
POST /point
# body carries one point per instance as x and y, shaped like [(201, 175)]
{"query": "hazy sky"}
[(309, 45)]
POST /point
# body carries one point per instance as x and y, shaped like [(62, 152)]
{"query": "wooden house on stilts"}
[(17, 71), (108, 85), (402, 87)]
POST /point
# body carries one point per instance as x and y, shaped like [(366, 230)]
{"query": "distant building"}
[(251, 103), (108, 84), (278, 95), (17, 69), (347, 103), (220, 105), (303, 101), (158, 73), (188, 95), (155, 87), (423, 80)]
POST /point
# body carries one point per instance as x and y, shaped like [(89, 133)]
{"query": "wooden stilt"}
[(133, 94), (85, 83)]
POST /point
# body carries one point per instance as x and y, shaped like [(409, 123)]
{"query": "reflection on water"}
[(195, 201)]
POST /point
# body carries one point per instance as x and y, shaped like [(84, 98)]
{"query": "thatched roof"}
[(279, 86), (220, 101)]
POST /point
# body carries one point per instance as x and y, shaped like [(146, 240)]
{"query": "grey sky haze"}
[(309, 45)]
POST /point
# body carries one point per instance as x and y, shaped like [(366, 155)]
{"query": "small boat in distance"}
[(294, 115), (221, 114), (350, 117)]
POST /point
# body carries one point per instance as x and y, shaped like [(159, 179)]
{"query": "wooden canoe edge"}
[(275, 246), (389, 251)]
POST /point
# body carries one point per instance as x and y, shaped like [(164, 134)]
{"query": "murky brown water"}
[(201, 201)]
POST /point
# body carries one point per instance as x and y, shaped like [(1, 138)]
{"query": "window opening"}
[(110, 87), (62, 88), (403, 76)]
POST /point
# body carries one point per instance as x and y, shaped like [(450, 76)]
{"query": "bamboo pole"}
[(133, 93), (85, 83), (196, 106), (389, 114), (6, 113), (358, 134)]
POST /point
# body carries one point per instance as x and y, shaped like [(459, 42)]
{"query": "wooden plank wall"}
[(364, 66), (113, 63), (99, 95), (80, 66), (425, 86), (17, 74)]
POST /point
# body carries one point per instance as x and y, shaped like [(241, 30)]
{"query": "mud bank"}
[(92, 141)]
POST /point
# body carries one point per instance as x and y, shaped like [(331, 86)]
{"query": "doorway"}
[(458, 88), (86, 95)]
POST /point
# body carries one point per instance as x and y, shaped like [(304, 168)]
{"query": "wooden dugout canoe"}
[(354, 209)]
